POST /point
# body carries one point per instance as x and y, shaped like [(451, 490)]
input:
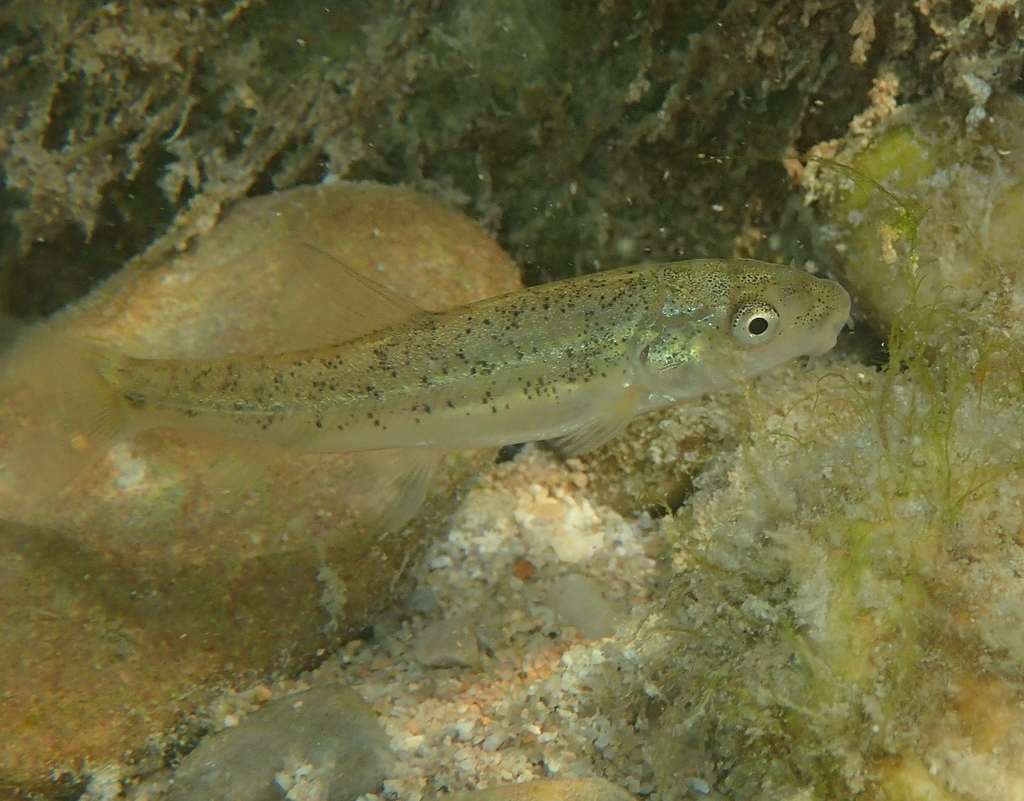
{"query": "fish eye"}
[(755, 324)]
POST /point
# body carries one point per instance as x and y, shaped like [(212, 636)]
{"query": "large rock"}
[(929, 212), (143, 584)]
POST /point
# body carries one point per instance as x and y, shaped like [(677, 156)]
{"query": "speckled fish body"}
[(571, 361)]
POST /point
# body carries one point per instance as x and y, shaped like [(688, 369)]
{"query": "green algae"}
[(816, 623), (926, 208), (842, 618)]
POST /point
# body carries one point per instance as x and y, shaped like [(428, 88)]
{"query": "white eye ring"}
[(755, 324)]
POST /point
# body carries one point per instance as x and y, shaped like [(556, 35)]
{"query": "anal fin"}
[(607, 422), (236, 467), (387, 488)]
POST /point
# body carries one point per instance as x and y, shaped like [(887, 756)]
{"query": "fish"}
[(570, 362)]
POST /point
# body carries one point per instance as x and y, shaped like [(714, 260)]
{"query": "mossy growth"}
[(928, 205), (845, 617)]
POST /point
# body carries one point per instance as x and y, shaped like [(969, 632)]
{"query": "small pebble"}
[(446, 643), (523, 569), (550, 790), (421, 602), (581, 603)]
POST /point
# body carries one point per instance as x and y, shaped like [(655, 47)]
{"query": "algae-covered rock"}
[(588, 134), (929, 209), (652, 466), (844, 617), (147, 579)]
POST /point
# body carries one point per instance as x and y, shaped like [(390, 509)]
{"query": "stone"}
[(142, 586), (581, 603), (324, 743), (447, 643), (929, 211)]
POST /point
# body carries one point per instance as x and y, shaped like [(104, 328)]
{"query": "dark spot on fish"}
[(136, 401)]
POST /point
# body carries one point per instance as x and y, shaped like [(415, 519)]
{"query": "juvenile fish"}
[(572, 362)]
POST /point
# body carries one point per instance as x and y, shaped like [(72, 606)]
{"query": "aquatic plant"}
[(845, 616)]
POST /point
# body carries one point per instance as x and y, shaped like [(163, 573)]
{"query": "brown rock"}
[(142, 585)]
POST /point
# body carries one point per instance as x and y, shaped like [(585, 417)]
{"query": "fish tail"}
[(59, 413)]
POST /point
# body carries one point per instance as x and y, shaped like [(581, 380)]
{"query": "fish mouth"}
[(827, 343), (829, 333), (840, 318)]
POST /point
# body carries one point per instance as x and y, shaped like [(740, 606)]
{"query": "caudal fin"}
[(57, 415)]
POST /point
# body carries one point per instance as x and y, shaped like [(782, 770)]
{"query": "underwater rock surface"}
[(324, 742), (843, 618), (827, 630), (144, 570), (551, 790), (928, 208)]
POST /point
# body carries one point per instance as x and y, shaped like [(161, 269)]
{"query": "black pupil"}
[(757, 326)]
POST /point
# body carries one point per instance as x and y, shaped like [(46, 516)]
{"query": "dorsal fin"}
[(322, 302)]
